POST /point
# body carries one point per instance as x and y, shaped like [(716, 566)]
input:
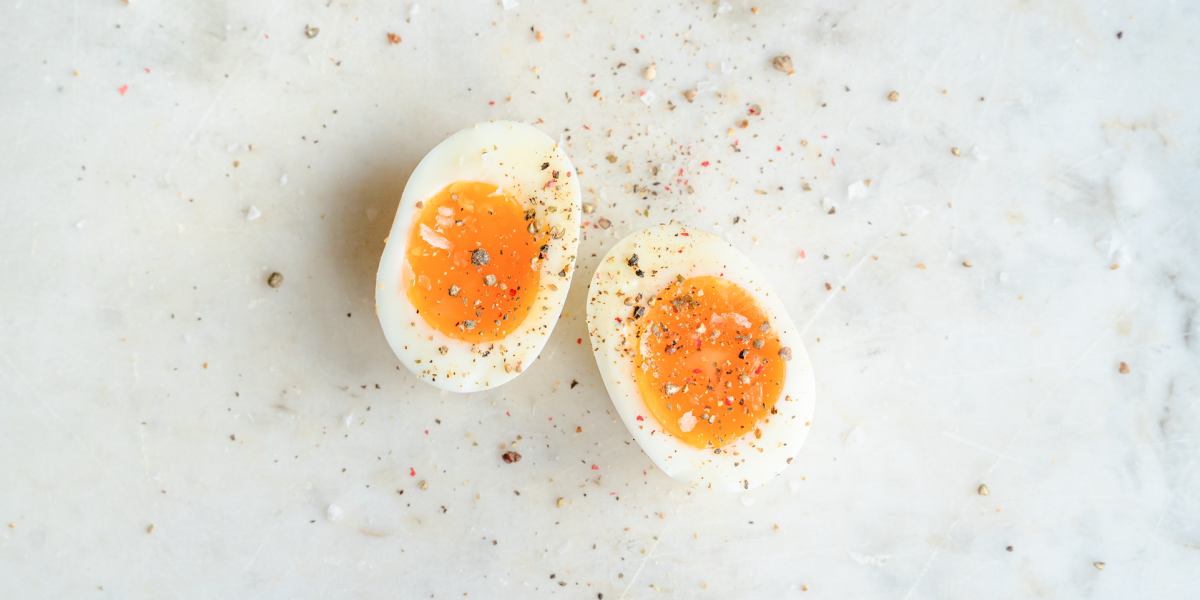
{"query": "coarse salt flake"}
[(334, 513), (687, 422), (434, 239), (253, 213), (915, 211), (858, 189)]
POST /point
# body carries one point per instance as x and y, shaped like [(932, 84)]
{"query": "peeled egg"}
[(700, 357), (480, 257)]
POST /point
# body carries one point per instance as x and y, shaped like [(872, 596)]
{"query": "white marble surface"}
[(148, 376)]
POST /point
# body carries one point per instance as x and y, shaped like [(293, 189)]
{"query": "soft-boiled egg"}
[(700, 358), (480, 256)]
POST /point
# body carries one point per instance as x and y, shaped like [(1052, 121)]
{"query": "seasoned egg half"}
[(700, 358), (480, 257)]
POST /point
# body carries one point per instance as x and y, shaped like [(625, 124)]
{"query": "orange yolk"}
[(705, 367), (472, 265)]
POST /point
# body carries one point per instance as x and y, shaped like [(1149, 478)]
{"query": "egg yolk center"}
[(471, 267), (708, 365)]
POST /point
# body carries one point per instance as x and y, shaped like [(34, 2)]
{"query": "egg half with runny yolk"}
[(700, 357), (480, 257)]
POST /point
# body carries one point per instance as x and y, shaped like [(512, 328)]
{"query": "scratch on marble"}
[(1163, 513), (128, 499), (1047, 365), (220, 93), (262, 545), (650, 552), (145, 455), (1004, 453), (329, 39), (59, 301), (996, 76), (988, 450), (1078, 164), (838, 290), (1050, 394), (933, 557)]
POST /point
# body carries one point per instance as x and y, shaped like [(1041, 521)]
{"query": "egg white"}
[(509, 155), (665, 252)]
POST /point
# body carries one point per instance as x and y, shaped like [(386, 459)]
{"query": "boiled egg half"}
[(480, 256), (700, 358)]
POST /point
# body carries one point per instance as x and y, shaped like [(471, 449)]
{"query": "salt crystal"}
[(827, 203), (726, 68), (334, 513), (80, 224), (724, 7), (509, 4), (499, 192), (415, 10), (705, 86), (854, 440), (283, 180), (1112, 241), (915, 211), (253, 213), (794, 486), (978, 154), (648, 97), (346, 419), (687, 422), (1003, 277), (858, 189), (874, 561), (434, 239), (746, 500), (235, 147)]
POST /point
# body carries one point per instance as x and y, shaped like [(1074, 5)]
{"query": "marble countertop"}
[(1013, 300)]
